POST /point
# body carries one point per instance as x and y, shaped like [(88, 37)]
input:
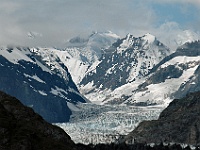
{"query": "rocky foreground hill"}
[(179, 123), (22, 129)]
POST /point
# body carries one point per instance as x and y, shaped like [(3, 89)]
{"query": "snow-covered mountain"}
[(139, 71), (83, 54), (173, 77), (40, 80), (126, 62)]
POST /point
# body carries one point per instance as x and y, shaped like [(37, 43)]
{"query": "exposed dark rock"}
[(22, 129), (179, 123)]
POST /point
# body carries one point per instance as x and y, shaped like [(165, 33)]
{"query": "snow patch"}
[(14, 55), (59, 92), (42, 93), (35, 77)]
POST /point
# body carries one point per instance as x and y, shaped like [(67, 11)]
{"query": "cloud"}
[(8, 7), (60, 20), (172, 35), (195, 2)]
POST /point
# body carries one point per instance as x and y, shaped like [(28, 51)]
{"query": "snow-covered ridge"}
[(127, 60), (135, 42), (14, 54), (91, 47), (51, 60)]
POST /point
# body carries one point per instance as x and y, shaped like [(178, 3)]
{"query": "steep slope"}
[(40, 80), (179, 122), (83, 54), (126, 61), (22, 128)]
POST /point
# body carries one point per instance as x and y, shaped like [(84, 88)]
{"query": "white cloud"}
[(9, 7), (172, 35), (58, 20), (177, 1), (63, 19)]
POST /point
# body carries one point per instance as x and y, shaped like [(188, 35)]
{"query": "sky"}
[(53, 22)]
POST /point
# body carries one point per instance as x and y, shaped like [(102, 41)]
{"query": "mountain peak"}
[(131, 41), (149, 37)]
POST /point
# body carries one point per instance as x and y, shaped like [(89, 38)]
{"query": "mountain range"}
[(132, 70), (102, 68)]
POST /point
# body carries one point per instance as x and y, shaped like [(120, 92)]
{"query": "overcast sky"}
[(56, 21)]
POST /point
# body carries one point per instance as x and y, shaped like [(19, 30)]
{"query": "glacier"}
[(92, 124)]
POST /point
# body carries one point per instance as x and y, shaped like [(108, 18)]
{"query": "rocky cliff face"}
[(179, 122), (22, 129)]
